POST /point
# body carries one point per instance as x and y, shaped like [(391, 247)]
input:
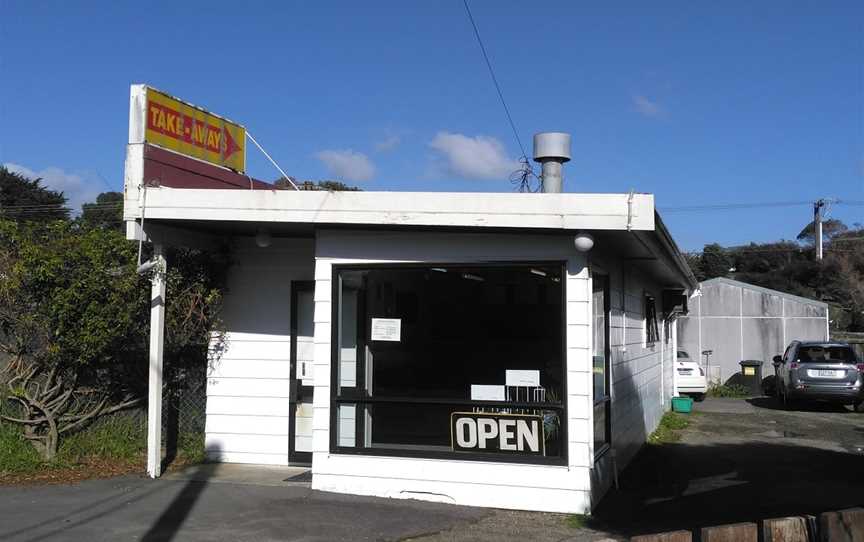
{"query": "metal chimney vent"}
[(552, 149)]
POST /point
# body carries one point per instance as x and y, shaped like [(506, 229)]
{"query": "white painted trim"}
[(154, 385), (476, 210)]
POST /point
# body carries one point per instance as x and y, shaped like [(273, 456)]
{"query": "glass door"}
[(302, 358)]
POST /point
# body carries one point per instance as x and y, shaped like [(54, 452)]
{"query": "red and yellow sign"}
[(185, 129)]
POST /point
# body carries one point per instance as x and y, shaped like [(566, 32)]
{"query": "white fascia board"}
[(436, 209), (137, 113), (133, 177)]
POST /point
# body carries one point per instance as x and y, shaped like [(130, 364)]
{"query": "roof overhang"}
[(172, 199)]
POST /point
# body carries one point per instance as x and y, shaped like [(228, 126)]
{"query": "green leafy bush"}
[(735, 391)]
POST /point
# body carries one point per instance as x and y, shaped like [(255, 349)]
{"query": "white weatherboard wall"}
[(479, 483), (247, 387), (641, 374)]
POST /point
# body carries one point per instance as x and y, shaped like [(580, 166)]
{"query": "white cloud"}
[(78, 188), (388, 144), (347, 164), (647, 107), (480, 157)]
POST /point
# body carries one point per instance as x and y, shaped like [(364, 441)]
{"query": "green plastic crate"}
[(683, 405)]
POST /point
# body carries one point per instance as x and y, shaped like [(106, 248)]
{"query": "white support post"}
[(157, 341)]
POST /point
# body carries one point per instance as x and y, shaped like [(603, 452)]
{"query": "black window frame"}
[(335, 401), (649, 310)]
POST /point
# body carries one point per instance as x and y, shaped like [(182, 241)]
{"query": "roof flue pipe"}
[(552, 149)]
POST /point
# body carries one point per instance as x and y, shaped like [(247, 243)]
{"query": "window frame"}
[(648, 319), (335, 401), (606, 400)]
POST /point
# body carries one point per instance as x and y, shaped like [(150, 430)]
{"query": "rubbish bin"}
[(751, 376)]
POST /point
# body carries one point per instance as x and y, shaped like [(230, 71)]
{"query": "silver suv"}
[(820, 371)]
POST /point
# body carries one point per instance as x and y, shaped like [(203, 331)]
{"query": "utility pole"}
[(817, 222)]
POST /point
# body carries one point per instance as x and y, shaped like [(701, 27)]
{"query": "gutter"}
[(678, 258)]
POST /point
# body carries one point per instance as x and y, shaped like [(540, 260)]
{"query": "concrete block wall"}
[(738, 321)]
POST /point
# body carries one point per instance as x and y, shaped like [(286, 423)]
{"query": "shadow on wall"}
[(679, 486), (629, 431)]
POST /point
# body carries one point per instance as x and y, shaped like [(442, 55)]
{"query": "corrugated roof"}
[(748, 286)]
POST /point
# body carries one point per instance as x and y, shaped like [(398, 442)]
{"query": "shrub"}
[(728, 390)]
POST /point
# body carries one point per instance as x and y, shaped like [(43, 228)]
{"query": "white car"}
[(690, 377)]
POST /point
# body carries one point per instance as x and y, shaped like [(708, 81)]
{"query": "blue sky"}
[(699, 103)]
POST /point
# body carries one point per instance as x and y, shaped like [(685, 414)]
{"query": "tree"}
[(26, 199), (716, 261), (74, 323), (830, 228), (106, 212), (68, 307), (333, 186)]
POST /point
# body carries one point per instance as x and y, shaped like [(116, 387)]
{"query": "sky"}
[(700, 103)]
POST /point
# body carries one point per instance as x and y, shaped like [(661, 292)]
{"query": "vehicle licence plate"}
[(829, 373)]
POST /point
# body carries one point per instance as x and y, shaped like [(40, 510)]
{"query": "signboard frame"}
[(206, 130)]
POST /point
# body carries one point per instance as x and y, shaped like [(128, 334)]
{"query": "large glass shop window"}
[(455, 361)]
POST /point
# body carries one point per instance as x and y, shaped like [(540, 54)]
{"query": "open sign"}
[(499, 433)]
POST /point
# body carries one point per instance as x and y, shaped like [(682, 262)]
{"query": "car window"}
[(826, 354), (787, 353), (683, 355)]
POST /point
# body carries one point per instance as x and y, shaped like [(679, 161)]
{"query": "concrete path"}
[(257, 475)]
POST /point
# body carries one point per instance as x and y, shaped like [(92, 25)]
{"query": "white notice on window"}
[(487, 392), (522, 378), (387, 329)]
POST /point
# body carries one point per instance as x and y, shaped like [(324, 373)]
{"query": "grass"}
[(576, 521), (190, 448), (121, 438), (735, 391), (16, 454), (115, 445), (668, 429)]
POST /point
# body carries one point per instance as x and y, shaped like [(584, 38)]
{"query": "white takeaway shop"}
[(509, 350)]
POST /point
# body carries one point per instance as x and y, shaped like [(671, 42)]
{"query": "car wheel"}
[(699, 397), (858, 406)]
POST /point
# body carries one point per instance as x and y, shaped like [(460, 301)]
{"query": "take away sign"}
[(186, 129)]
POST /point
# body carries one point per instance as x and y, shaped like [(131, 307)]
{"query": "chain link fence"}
[(123, 434)]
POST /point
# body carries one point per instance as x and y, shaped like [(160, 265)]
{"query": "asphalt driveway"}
[(743, 460), (738, 461), (131, 508), (258, 504)]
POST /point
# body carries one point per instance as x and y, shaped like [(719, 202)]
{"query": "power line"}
[(753, 205), (495, 80)]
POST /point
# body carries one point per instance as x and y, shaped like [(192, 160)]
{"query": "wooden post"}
[(791, 529), (674, 536), (842, 526), (739, 532), (157, 342)]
